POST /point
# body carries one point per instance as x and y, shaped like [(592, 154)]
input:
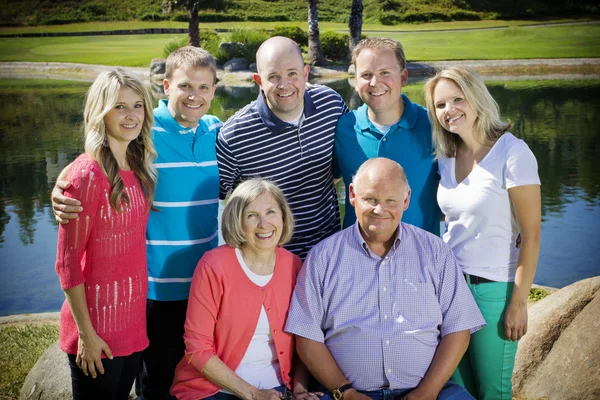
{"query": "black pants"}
[(165, 321), (115, 383)]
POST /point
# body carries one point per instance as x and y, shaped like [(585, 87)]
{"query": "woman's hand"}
[(515, 320), (266, 394), (306, 395), (89, 353)]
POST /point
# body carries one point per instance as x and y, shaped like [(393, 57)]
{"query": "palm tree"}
[(192, 6), (355, 23), (315, 54)]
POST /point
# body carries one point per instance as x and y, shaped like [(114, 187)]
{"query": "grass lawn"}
[(20, 347), (515, 42), (323, 26)]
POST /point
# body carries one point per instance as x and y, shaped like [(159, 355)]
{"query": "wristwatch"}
[(339, 392)]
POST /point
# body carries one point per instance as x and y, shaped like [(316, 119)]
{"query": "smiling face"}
[(282, 77), (190, 92), (262, 224), (452, 108), (379, 80), (124, 121), (379, 198)]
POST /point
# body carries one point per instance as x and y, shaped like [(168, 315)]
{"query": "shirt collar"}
[(273, 122), (365, 247), (407, 121), (163, 114)]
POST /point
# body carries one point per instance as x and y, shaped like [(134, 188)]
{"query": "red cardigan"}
[(223, 310), (105, 251)]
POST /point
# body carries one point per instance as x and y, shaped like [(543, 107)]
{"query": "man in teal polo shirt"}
[(388, 125)]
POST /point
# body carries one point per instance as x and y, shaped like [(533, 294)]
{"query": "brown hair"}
[(380, 43), (190, 56)]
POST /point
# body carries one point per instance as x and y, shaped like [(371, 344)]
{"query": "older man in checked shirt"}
[(381, 309)]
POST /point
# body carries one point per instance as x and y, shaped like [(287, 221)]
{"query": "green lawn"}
[(515, 42)]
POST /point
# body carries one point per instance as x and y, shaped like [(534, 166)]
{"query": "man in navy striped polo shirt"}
[(286, 135), (381, 309)]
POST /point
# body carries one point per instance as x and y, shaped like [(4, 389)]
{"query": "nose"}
[(378, 209), (281, 82), (373, 80)]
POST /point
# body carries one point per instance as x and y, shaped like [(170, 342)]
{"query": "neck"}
[(470, 144), (387, 117), (378, 245), (259, 262), (120, 153)]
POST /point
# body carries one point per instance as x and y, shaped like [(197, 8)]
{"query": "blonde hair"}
[(190, 56), (379, 43), (488, 126), (100, 99), (244, 194)]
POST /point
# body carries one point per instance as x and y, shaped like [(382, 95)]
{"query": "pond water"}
[(39, 135)]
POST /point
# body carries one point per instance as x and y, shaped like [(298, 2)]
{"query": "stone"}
[(559, 357), (157, 66), (232, 49), (351, 70), (235, 64), (50, 378), (252, 67)]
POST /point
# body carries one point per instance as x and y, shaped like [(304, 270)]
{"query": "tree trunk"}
[(315, 54), (355, 23), (193, 30)]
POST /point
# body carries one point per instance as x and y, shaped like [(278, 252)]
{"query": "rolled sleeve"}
[(306, 312), (459, 310)]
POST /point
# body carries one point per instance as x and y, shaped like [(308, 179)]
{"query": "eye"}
[(139, 105), (458, 99), (119, 106), (203, 88), (385, 73), (273, 78), (366, 75), (293, 73), (184, 86), (440, 106)]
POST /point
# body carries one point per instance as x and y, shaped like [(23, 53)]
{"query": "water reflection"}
[(39, 135)]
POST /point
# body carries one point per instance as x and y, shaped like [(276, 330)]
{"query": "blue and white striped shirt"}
[(255, 143), (187, 195), (381, 318)]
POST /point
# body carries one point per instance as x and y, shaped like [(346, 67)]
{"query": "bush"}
[(463, 15), (389, 18), (208, 16), (175, 43), (293, 32), (251, 38), (424, 16), (152, 16), (335, 45)]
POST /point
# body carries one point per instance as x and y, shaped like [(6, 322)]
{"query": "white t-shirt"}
[(481, 227), (259, 366)]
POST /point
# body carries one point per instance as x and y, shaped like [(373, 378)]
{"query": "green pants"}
[(487, 366)]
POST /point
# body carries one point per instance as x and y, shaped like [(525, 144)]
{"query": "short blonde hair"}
[(488, 125), (242, 196), (190, 56)]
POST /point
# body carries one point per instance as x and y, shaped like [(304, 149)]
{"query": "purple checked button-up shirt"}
[(381, 318)]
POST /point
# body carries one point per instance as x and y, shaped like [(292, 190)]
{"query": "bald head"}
[(277, 48), (383, 169)]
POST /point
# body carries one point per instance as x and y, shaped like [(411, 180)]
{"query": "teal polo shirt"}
[(409, 143)]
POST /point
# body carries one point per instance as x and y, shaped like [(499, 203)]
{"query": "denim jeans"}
[(450, 391), (227, 396)]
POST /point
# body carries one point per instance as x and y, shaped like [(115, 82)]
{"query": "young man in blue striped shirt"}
[(286, 135), (187, 199)]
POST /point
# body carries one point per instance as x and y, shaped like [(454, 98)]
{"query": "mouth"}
[(377, 94), (454, 119), (267, 235), (284, 95), (129, 126), (192, 106)]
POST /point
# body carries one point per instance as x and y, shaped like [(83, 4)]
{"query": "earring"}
[(105, 142)]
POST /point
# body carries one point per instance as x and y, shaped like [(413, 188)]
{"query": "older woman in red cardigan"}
[(235, 343)]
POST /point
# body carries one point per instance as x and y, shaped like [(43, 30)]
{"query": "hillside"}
[(50, 12)]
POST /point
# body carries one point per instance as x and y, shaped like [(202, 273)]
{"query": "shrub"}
[(424, 16), (175, 43), (335, 45), (211, 16), (152, 16), (251, 38), (464, 15), (293, 32), (389, 18)]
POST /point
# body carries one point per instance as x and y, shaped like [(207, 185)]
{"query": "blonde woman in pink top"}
[(101, 256), (236, 347)]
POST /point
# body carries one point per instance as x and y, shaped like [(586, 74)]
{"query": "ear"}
[(256, 78), (166, 86), (306, 72), (404, 77), (407, 200), (352, 194)]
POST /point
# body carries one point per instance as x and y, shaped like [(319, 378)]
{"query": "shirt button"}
[(385, 139), (274, 332), (268, 309), (281, 352), (385, 316), (384, 289), (389, 370)]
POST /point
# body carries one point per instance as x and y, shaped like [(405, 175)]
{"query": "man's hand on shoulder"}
[(64, 208)]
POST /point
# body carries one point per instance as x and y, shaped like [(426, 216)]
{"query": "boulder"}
[(559, 358), (232, 49), (252, 67), (235, 64), (157, 66), (50, 378)]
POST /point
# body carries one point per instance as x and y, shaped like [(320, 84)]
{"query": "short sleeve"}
[(306, 314), (86, 186), (521, 166)]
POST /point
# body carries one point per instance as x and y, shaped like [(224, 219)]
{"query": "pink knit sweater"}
[(105, 251)]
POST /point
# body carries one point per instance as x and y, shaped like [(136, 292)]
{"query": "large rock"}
[(50, 378), (235, 64), (232, 49), (157, 68), (559, 358)]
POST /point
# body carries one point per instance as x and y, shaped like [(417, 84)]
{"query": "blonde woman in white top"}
[(489, 193)]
